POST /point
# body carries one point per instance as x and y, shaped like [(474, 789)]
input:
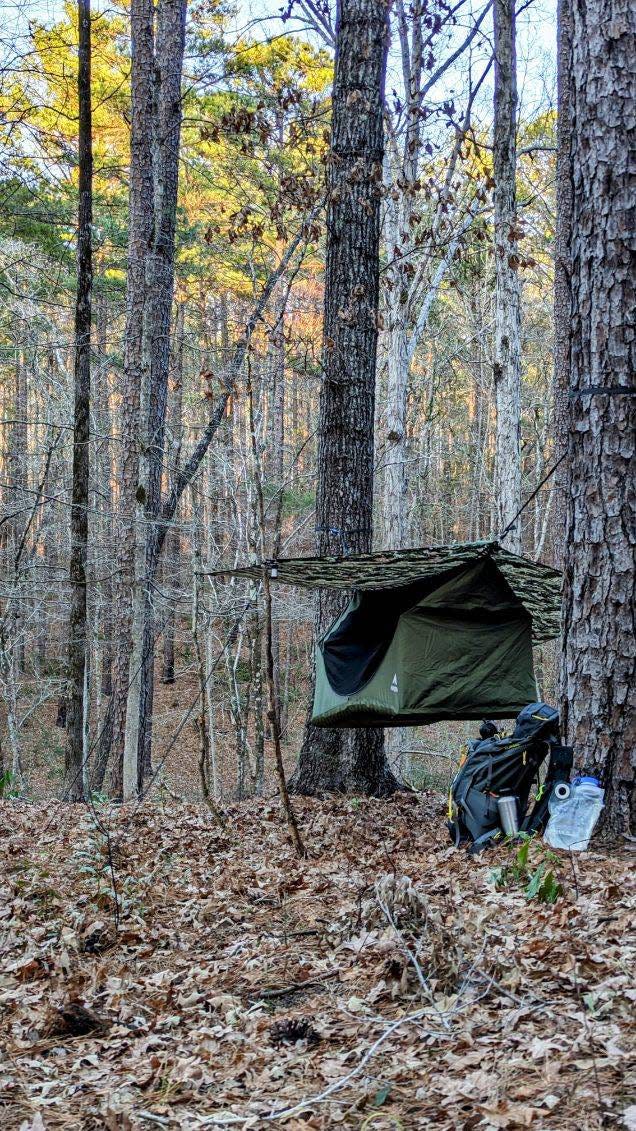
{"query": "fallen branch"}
[(293, 987), (284, 1113)]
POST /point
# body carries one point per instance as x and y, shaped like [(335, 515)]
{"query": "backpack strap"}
[(483, 841)]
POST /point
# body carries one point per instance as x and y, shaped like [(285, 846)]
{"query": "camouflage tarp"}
[(537, 586)]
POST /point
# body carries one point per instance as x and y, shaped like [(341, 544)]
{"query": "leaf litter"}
[(160, 972)]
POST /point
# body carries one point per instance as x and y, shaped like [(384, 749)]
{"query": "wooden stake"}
[(273, 715)]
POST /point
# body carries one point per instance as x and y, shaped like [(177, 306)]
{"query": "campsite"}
[(317, 565)]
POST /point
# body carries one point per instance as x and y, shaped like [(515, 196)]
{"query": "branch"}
[(191, 466), (442, 267), (319, 21), (441, 70)]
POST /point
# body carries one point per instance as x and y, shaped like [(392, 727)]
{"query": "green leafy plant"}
[(535, 876), (8, 785)]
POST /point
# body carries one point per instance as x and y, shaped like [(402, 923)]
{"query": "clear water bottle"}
[(574, 811)]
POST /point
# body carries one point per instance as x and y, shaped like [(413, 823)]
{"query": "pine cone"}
[(293, 1029)]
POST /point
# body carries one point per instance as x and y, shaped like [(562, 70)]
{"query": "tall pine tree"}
[(599, 647), (350, 760)]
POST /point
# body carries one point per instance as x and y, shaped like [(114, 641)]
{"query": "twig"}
[(280, 991), (152, 1118), (286, 1112)]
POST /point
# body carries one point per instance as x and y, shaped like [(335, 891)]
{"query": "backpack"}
[(499, 766)]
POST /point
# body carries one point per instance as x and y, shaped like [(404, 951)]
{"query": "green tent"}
[(429, 634)]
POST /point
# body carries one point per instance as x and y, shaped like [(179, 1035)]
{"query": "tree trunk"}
[(106, 476), (394, 517), (76, 751), (170, 42), (400, 248), (562, 292), (277, 432), (139, 238), (20, 499), (507, 359), (599, 654), (350, 760), (173, 539)]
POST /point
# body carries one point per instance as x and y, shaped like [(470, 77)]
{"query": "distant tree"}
[(562, 266), (169, 47), (77, 751), (135, 383), (350, 760), (600, 536), (507, 349)]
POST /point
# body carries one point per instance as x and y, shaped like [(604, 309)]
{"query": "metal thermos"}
[(508, 815)]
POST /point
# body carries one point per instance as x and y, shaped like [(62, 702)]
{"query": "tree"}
[(421, 236), (335, 759), (563, 236), (507, 349), (169, 47), (598, 624), (136, 370), (77, 749)]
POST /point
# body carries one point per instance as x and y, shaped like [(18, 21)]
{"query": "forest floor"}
[(159, 971)]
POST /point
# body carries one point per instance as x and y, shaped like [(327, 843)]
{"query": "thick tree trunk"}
[(599, 597), (351, 760), (75, 769), (562, 267), (507, 357)]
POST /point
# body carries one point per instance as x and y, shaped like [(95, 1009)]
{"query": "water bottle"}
[(574, 811)]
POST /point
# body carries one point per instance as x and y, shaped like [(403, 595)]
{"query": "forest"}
[(317, 439)]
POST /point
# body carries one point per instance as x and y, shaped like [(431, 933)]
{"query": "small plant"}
[(8, 785), (537, 878)]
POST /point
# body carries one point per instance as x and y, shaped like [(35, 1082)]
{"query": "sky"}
[(536, 43)]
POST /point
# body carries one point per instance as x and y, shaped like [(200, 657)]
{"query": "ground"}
[(153, 965)]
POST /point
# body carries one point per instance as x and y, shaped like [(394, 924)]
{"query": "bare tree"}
[(421, 240), (507, 353), (77, 747)]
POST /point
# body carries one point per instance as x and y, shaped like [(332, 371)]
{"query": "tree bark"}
[(74, 768), (598, 625), (140, 229), (172, 558), (562, 267), (507, 357), (106, 475), (350, 760), (170, 41)]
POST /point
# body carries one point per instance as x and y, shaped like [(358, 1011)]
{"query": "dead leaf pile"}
[(159, 972)]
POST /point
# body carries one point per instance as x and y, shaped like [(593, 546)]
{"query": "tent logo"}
[(394, 684)]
